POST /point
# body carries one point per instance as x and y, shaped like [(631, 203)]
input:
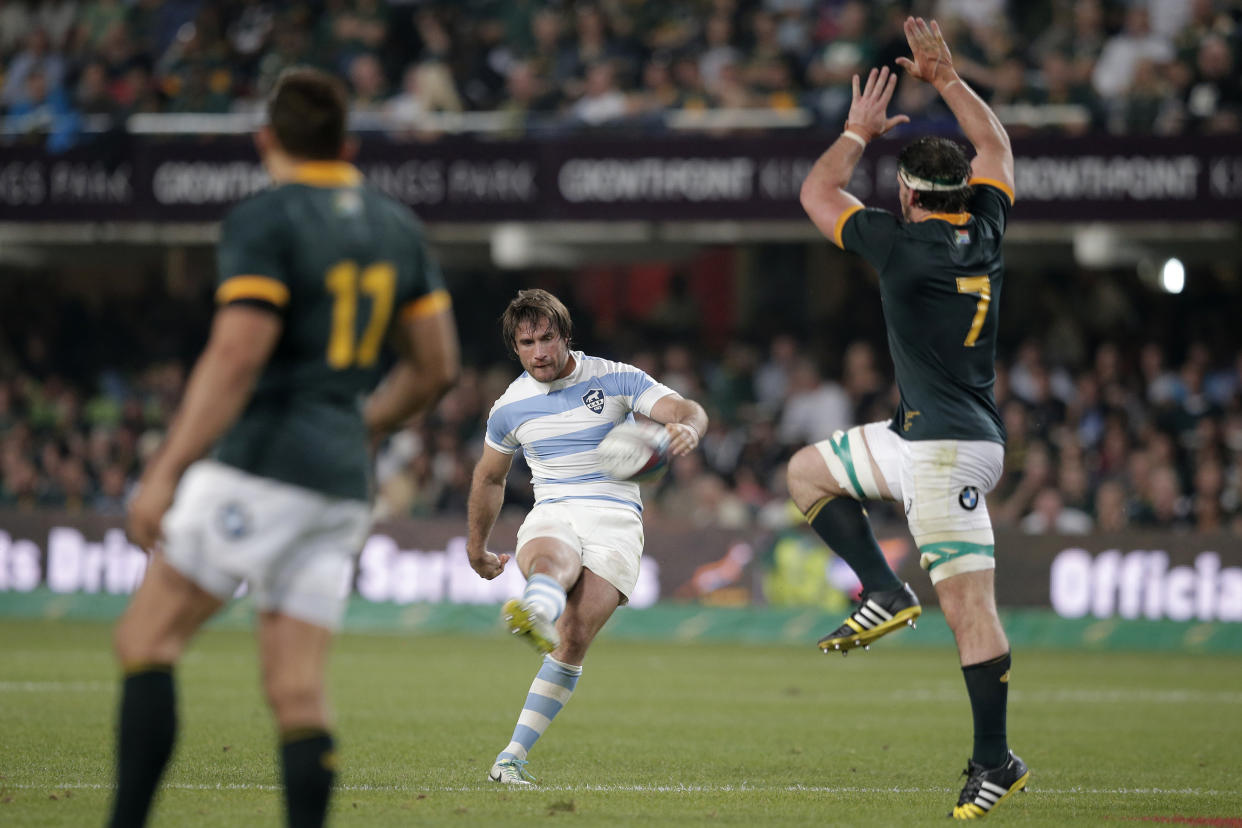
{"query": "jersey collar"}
[(327, 174), (564, 382), (951, 218)]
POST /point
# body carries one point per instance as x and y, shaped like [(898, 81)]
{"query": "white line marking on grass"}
[(48, 686), (828, 789), (1080, 696)]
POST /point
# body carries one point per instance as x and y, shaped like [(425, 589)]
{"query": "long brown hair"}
[(530, 306)]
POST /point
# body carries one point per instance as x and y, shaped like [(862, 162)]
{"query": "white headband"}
[(925, 185)]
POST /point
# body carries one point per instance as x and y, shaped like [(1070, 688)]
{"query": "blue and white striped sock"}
[(551, 689), (545, 595)]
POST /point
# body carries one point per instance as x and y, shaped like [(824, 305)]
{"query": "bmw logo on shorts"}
[(233, 520), (969, 498)]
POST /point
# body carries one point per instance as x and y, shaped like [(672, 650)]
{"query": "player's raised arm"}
[(685, 420), (823, 192), (931, 61), (487, 495), (430, 360)]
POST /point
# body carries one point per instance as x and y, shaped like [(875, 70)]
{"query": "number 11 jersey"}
[(339, 261)]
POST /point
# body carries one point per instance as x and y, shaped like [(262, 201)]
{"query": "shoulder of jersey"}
[(521, 388), (598, 366), (255, 207)]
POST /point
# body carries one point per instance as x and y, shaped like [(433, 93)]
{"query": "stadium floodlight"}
[(1173, 276)]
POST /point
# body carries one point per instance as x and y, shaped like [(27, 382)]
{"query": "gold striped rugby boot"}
[(878, 614)]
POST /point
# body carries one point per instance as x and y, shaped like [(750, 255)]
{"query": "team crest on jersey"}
[(594, 400), (963, 236), (347, 202), (233, 520), (969, 498)]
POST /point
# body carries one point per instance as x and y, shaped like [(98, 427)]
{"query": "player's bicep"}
[(493, 466), (244, 336), (829, 211), (426, 336), (994, 167), (668, 409)]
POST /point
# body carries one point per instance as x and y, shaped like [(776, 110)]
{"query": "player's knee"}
[(808, 477), (132, 645), (554, 560), (123, 644), (294, 703)]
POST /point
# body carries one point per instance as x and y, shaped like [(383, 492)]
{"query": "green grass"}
[(657, 734)]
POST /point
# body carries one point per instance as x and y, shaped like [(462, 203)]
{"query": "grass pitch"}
[(656, 734)]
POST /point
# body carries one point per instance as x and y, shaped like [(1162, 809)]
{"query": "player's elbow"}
[(443, 375), (809, 196)]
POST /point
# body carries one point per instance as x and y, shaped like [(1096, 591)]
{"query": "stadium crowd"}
[(1166, 66), (1103, 435)]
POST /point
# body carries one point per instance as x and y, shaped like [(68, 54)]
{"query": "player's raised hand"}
[(930, 59), (488, 564), (869, 109)]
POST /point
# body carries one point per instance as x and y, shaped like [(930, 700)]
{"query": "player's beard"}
[(551, 370)]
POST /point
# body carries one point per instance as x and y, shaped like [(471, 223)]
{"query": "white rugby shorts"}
[(293, 547), (608, 538), (941, 483)]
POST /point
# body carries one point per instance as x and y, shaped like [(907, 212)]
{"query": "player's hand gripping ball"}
[(636, 452)]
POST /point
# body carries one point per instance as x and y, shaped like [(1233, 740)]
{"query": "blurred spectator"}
[(773, 376), (92, 96), (40, 111), (15, 25), (815, 407), (38, 58), (718, 51), (97, 17), (1123, 53), (187, 56), (367, 84), (425, 87), (1213, 101), (1057, 86), (601, 101), (848, 52), (1050, 515), (1110, 507), (1165, 508)]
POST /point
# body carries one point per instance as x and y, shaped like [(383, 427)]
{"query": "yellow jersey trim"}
[(840, 226), (327, 174), (263, 288), (992, 182), (433, 302), (951, 218)]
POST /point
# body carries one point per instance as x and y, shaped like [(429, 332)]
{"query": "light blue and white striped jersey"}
[(559, 425)]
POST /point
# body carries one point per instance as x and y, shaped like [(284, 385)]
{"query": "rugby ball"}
[(636, 452)]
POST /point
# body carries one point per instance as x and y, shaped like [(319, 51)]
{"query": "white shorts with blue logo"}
[(292, 547), (608, 538), (941, 483)]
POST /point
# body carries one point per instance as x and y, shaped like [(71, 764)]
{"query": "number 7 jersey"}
[(339, 262), (940, 283)]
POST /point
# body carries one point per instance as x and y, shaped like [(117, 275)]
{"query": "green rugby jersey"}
[(339, 261), (940, 283)]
